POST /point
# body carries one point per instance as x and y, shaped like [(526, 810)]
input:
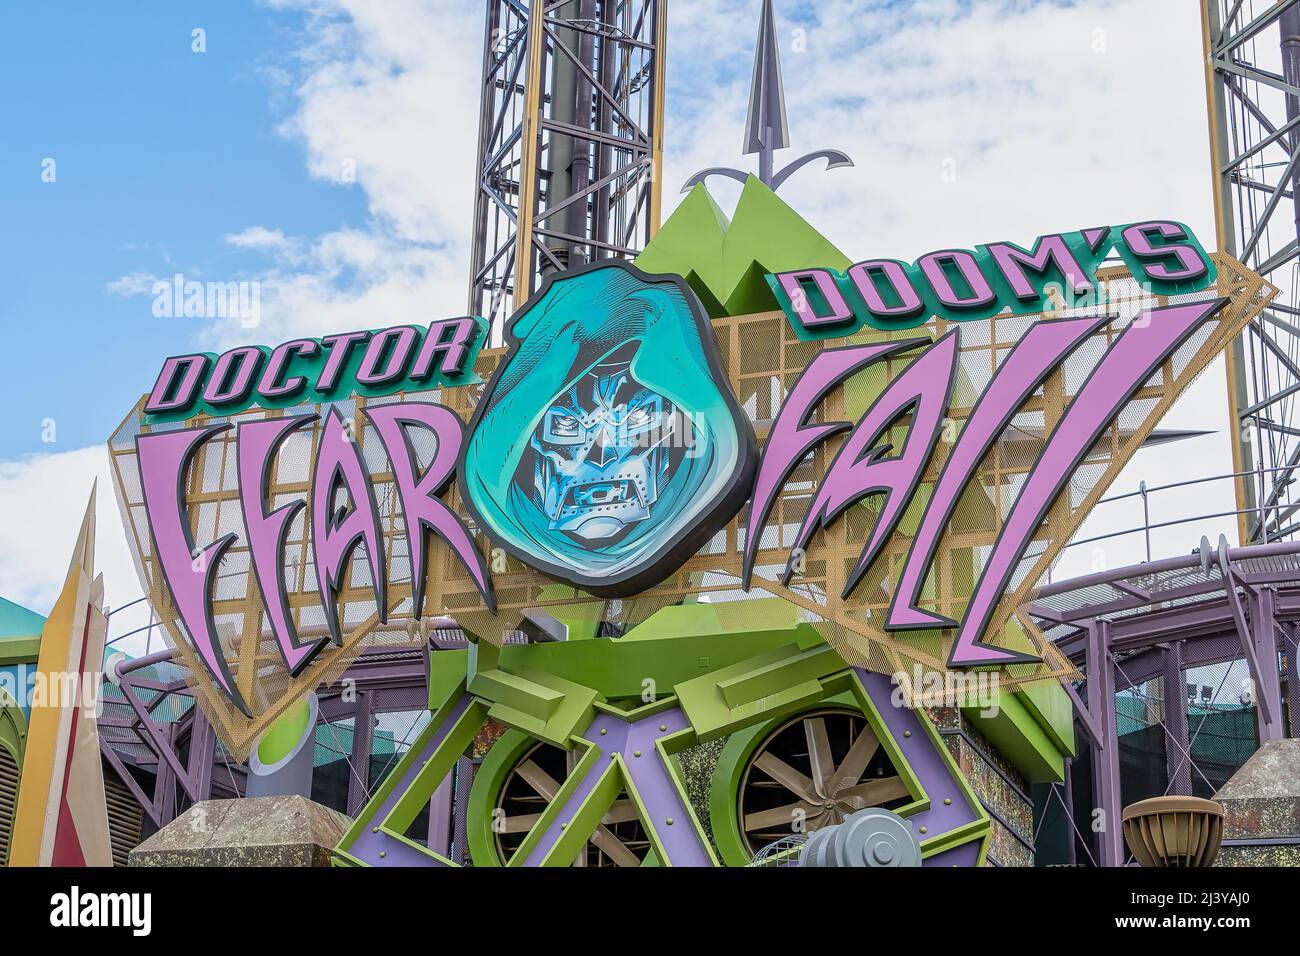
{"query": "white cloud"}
[(258, 237), (131, 284), (384, 99), (42, 501), (347, 279), (1054, 116), (389, 93)]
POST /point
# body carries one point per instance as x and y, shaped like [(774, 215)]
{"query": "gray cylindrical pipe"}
[(559, 160), (580, 161), (1289, 24), (292, 774)]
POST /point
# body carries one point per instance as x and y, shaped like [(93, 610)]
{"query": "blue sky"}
[(159, 153)]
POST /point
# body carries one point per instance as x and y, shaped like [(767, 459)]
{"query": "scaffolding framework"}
[(1252, 55), (570, 146)]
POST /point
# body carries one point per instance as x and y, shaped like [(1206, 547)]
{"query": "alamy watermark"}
[(39, 689), (74, 909), (932, 688), (191, 299)]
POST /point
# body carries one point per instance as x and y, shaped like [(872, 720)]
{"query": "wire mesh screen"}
[(1222, 724), (763, 358)]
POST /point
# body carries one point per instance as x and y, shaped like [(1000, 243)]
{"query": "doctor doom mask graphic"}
[(608, 446), (601, 452)]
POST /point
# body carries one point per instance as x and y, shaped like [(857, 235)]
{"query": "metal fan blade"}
[(874, 792), (787, 776), (780, 818), (819, 754), (855, 761)]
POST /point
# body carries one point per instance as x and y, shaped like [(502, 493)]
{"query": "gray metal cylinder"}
[(292, 774), (872, 837)]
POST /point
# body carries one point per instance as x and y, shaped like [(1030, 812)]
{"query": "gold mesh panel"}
[(763, 358)]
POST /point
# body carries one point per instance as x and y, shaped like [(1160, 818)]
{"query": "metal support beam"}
[(1105, 751), (203, 745), (465, 770), (1177, 746), (128, 780), (1067, 803), (570, 142), (1290, 636), (363, 725), (164, 790), (1268, 682), (1254, 115)]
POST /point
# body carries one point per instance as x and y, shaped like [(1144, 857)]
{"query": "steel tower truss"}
[(1252, 50), (570, 141)]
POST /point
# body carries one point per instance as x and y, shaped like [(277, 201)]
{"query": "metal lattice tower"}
[(1252, 50), (570, 141)]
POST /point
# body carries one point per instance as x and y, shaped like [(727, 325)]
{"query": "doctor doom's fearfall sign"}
[(899, 450)]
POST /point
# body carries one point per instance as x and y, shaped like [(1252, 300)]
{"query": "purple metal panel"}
[(164, 791), (1292, 648), (931, 770), (1067, 804), (157, 736), (648, 776), (440, 819), (129, 781), (378, 848), (466, 769)]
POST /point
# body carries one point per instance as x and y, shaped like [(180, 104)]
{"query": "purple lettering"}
[(395, 343), (190, 369), (232, 377), (936, 273), (165, 459), (422, 511), (337, 530), (791, 437), (340, 347), (860, 468), (1190, 263), (454, 350), (1032, 359), (258, 443), (900, 283), (1049, 251), (272, 386), (1141, 348), (792, 283)]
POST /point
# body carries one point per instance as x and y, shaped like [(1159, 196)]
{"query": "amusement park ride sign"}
[(609, 447)]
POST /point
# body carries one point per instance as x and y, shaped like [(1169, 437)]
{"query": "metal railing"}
[(1144, 491)]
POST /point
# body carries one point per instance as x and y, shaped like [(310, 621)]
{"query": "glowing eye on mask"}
[(642, 418), (638, 417), (562, 428)]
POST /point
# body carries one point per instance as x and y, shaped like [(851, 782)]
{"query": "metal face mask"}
[(608, 447), (601, 452)]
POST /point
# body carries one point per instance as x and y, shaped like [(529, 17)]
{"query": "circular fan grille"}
[(813, 771)]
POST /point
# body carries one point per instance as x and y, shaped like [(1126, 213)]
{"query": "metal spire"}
[(766, 129)]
